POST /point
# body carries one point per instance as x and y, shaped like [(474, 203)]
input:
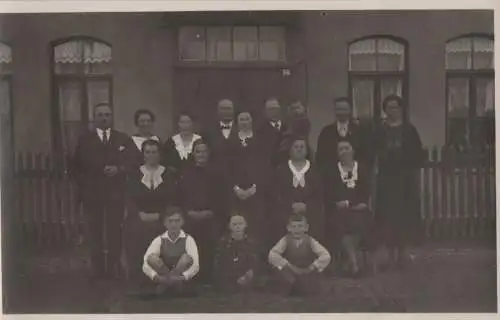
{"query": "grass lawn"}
[(442, 279)]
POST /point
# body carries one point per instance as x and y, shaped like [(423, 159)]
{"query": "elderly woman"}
[(399, 155), (178, 148), (347, 196), (250, 178), (151, 189), (200, 199), (144, 120), (298, 189)]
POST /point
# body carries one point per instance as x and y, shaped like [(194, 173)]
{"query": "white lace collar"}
[(244, 137), (184, 150), (152, 179), (350, 182), (138, 140), (299, 176)]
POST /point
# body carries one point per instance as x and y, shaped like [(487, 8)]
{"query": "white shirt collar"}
[(230, 123), (152, 179), (100, 133), (184, 150), (344, 175), (138, 140), (299, 176), (165, 235)]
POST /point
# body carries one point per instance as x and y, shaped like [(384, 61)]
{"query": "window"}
[(470, 97), (377, 68), (82, 79), (237, 43), (6, 126)]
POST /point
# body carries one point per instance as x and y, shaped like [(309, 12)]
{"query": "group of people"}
[(239, 199)]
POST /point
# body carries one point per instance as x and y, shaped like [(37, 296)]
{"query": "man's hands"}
[(245, 194), (110, 171), (343, 204)]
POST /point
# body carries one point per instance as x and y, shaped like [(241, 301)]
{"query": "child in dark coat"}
[(299, 259), (236, 259)]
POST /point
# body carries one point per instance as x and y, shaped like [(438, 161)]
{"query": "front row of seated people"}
[(172, 263)]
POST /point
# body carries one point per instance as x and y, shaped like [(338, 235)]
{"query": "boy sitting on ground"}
[(299, 259), (171, 260), (236, 258)]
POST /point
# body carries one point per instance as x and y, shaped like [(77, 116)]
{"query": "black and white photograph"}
[(248, 161)]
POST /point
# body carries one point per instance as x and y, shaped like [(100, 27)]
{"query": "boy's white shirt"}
[(278, 261), (191, 250)]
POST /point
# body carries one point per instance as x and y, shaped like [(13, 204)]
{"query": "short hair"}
[(244, 111), (200, 141), (102, 104), (150, 142), (236, 214), (300, 138), (271, 99), (140, 112), (391, 98), (185, 113), (297, 217), (343, 99), (170, 211)]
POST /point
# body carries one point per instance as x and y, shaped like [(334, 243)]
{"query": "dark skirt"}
[(138, 235), (397, 211), (349, 222)]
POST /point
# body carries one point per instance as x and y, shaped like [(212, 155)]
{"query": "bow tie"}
[(276, 124), (225, 126)]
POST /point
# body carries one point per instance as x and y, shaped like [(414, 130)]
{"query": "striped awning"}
[(82, 51)]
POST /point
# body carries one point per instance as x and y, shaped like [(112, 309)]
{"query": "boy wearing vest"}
[(171, 260), (236, 258), (299, 259)]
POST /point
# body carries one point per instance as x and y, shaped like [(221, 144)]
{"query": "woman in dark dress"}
[(298, 189), (200, 199), (347, 195), (397, 206), (151, 188), (250, 178), (144, 120), (178, 148)]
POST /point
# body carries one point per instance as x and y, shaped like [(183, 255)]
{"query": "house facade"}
[(55, 67)]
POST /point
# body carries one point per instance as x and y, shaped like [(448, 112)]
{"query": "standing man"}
[(100, 171), (343, 128), (272, 129), (219, 137)]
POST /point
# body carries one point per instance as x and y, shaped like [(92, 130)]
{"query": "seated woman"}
[(178, 148), (236, 260), (171, 260), (250, 178), (298, 189), (200, 199), (347, 190), (144, 120), (151, 189)]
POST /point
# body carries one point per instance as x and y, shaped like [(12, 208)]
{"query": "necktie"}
[(105, 138)]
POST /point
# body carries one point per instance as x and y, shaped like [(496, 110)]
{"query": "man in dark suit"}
[(343, 128), (219, 137), (100, 171), (272, 129)]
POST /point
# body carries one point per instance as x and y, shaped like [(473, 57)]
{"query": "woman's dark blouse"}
[(336, 190), (156, 200), (233, 258), (171, 157), (198, 188)]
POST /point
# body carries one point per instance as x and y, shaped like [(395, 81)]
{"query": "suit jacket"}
[(360, 138), (91, 156), (273, 140), (220, 147)]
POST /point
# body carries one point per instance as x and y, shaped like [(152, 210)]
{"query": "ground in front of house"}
[(443, 278)]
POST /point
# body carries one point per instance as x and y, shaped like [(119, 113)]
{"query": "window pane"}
[(97, 92), (219, 44), (389, 86), (5, 126), (272, 43), (458, 132), (459, 54), (71, 132), (362, 55), (485, 97), (458, 98), (245, 43), (192, 43), (390, 55), (483, 53), (70, 100), (363, 98), (5, 97)]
